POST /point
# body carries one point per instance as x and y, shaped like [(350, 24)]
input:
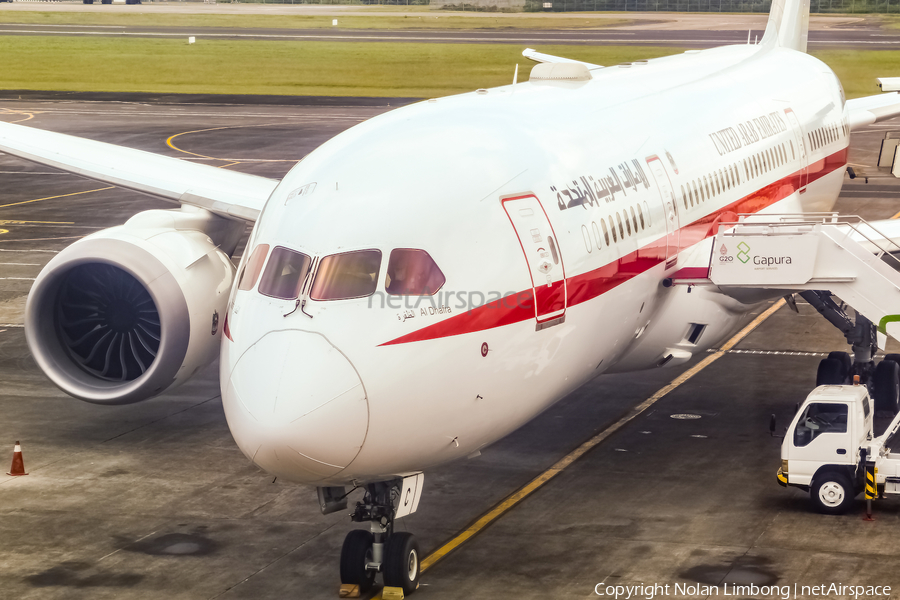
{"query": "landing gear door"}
[(799, 149), (670, 208), (542, 255)]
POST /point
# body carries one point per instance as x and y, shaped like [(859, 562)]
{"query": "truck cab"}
[(821, 449)]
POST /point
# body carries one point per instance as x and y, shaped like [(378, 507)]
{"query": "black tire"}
[(829, 372), (832, 493), (401, 566), (887, 386), (355, 554), (846, 364), (893, 357)]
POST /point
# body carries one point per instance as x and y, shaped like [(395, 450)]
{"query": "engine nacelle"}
[(132, 311)]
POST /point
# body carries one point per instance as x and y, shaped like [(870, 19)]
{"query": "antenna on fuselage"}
[(516, 74), (748, 36)]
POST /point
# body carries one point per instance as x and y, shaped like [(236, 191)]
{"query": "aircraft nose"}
[(296, 406)]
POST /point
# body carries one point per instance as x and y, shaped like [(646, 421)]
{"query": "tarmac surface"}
[(154, 500), (862, 34)]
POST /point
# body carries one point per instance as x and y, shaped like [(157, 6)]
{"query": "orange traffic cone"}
[(18, 465)]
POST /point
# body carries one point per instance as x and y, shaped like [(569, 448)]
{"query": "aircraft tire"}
[(355, 553), (832, 493), (402, 562), (887, 386), (846, 364), (893, 357), (830, 372)]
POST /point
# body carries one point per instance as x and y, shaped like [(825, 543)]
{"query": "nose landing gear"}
[(365, 553)]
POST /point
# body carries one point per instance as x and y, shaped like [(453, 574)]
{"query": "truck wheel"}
[(830, 372), (832, 493), (846, 364), (887, 386)]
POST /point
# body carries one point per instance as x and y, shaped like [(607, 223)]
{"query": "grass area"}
[(417, 19), (858, 70), (322, 68), (275, 67)]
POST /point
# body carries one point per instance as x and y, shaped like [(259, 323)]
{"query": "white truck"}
[(828, 444)]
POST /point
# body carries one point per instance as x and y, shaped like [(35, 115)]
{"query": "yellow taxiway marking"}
[(54, 197), (233, 161), (523, 492), (897, 216), (10, 111), (16, 222)]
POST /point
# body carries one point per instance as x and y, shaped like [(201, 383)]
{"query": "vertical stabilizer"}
[(788, 25)]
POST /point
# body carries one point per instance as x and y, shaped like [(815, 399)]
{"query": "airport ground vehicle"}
[(830, 444)]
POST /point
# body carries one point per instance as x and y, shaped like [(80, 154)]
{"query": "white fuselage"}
[(364, 389)]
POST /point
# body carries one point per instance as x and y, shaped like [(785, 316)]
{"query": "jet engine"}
[(132, 311)]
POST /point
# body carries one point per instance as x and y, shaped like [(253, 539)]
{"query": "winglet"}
[(540, 57), (788, 25)]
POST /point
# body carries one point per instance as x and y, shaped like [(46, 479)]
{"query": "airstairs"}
[(815, 256), (844, 255)]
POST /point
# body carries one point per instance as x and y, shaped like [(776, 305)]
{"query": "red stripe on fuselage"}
[(587, 286)]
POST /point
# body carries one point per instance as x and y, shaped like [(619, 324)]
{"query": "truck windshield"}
[(819, 418)]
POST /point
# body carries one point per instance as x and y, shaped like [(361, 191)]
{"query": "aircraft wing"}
[(227, 193), (532, 54), (871, 109)]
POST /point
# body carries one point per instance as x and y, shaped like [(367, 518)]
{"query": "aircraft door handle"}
[(841, 451)]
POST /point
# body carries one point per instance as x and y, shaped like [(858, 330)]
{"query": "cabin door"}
[(542, 256), (670, 208)]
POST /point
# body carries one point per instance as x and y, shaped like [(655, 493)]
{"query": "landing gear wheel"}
[(355, 555), (830, 372), (887, 386), (401, 562), (846, 364), (832, 493), (893, 357)]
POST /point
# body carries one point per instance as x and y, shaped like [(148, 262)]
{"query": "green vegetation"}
[(275, 67), (858, 70), (321, 68), (416, 19)]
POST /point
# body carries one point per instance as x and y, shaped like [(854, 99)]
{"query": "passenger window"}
[(685, 198), (633, 218), (705, 185), (347, 275), (596, 234), (253, 268), (696, 194), (284, 274), (621, 228), (819, 418), (641, 215), (613, 227), (412, 273), (627, 222), (605, 231)]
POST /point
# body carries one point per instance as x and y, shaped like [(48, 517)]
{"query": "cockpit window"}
[(412, 273), (284, 274), (251, 271), (347, 275)]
